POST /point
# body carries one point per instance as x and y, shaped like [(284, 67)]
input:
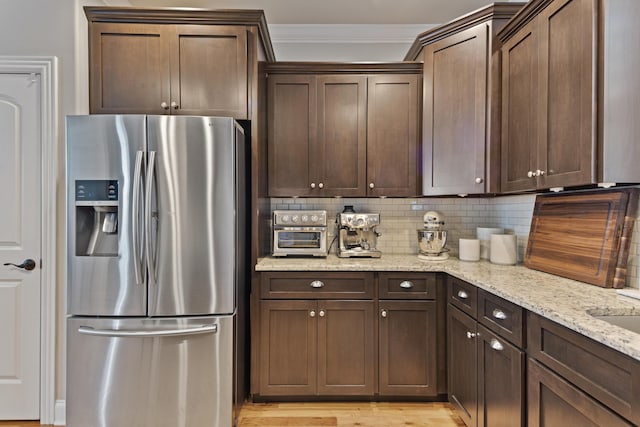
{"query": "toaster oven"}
[(302, 233)]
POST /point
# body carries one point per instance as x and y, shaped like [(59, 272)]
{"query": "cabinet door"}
[(288, 347), (462, 365), (346, 348), (500, 381), (407, 350), (520, 95), (454, 125), (129, 71), (340, 154), (392, 132), (567, 37), (552, 401), (209, 70), (292, 135)]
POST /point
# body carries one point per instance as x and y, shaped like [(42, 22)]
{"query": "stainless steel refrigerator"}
[(156, 259)]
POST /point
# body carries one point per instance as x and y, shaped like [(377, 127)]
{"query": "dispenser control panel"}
[(105, 190)]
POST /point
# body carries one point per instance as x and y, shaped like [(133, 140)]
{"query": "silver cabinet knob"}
[(174, 105), (479, 180), (316, 284), (164, 106), (531, 174), (499, 314), (371, 185), (313, 185), (406, 285), (463, 295), (383, 313), (312, 313), (321, 185), (322, 313), (496, 345), (471, 335), (539, 172)]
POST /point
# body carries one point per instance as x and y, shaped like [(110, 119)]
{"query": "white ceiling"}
[(338, 11), (339, 30)]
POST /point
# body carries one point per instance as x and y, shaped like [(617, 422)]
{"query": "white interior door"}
[(20, 240)]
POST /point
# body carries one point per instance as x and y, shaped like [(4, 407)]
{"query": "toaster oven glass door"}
[(299, 239)]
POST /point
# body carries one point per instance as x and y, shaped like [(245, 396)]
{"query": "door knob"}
[(27, 264)]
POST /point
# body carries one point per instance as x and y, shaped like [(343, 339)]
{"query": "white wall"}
[(54, 28)]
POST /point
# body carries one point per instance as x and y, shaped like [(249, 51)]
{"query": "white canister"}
[(484, 235), (469, 250), (503, 249)]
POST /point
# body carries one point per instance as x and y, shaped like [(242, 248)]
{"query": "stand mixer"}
[(432, 238)]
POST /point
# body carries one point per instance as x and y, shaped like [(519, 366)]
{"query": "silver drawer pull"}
[(471, 335), (499, 314), (316, 284), (116, 333), (495, 344), (406, 285), (463, 295)]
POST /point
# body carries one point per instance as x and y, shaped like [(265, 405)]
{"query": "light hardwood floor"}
[(366, 414), (348, 414)]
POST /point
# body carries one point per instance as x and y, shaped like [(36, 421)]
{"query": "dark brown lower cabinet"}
[(590, 377), (407, 348), (500, 381), (317, 347), (555, 402), (346, 348), (288, 348), (462, 365), (486, 374)]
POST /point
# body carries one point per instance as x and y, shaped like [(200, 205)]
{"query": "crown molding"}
[(345, 33)]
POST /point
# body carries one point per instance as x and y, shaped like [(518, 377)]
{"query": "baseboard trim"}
[(60, 415)]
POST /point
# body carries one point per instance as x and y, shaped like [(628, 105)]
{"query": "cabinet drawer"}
[(608, 375), (463, 295), (502, 317), (309, 285), (407, 285)]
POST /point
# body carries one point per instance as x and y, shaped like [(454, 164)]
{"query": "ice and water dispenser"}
[(96, 217)]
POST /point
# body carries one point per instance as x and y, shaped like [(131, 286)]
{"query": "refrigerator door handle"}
[(148, 216), (114, 333), (135, 212)]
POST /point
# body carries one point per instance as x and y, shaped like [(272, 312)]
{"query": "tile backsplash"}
[(400, 218)]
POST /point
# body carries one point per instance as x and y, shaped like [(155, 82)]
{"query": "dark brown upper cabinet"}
[(569, 95), (343, 129), (461, 102), (172, 62)]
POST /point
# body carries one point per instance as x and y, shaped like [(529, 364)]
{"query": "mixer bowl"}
[(431, 242)]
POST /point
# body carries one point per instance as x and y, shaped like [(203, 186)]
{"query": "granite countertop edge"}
[(567, 302)]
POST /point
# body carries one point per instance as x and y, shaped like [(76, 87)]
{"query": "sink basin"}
[(630, 322)]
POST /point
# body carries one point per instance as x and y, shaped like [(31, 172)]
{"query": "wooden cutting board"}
[(583, 236)]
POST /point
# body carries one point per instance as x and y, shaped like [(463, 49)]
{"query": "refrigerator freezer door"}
[(150, 372), (100, 244), (192, 233)]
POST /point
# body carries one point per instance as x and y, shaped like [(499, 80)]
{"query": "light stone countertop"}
[(567, 302)]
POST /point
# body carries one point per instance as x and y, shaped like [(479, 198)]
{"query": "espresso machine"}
[(357, 235), (432, 238)]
